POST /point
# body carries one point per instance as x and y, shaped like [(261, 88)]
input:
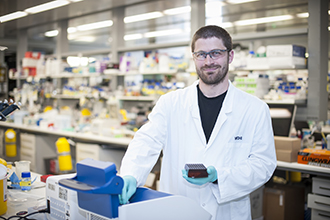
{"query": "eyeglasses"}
[(214, 54)]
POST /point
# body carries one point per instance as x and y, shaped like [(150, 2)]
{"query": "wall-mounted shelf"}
[(137, 98), (130, 73)]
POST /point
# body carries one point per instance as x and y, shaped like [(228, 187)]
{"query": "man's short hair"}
[(210, 31)]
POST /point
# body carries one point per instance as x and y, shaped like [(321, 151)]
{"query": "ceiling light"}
[(162, 33), (214, 9), (52, 33), (75, 1), (2, 48), (82, 38), (263, 20), (13, 16), (132, 37), (218, 21), (142, 17), (303, 15), (240, 1), (175, 11), (71, 30), (47, 6), (306, 14), (96, 25)]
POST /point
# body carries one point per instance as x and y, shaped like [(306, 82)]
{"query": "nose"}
[(208, 59)]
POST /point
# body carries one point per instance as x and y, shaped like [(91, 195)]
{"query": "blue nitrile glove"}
[(129, 189), (213, 176)]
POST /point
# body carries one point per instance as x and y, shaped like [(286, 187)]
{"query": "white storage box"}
[(285, 51), (286, 62), (257, 63)]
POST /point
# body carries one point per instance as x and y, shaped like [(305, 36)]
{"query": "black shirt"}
[(209, 109)]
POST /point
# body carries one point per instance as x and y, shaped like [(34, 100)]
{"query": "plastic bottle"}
[(10, 142), (26, 181), (3, 189), (64, 154)]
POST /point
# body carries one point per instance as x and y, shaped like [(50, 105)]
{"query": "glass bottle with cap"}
[(26, 181)]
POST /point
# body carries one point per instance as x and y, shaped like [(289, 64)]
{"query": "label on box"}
[(314, 157)]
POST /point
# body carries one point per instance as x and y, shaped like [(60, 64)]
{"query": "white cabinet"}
[(99, 152), (37, 148), (319, 200)]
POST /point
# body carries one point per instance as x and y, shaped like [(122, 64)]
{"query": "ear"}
[(231, 56)]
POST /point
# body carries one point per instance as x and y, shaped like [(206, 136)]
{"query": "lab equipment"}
[(7, 108), (21, 166), (10, 143), (26, 181), (196, 170), (212, 177), (73, 196), (64, 154), (3, 189)]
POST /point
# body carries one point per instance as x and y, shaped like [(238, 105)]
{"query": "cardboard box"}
[(314, 157), (283, 202), (287, 148)]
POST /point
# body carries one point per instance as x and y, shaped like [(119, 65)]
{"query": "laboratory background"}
[(78, 78)]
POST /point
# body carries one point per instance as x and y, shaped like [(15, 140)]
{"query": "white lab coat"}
[(241, 148)]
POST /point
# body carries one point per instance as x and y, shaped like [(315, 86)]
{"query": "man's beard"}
[(217, 76)]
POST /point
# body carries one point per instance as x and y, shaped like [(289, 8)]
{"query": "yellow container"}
[(3, 189), (10, 142), (64, 154)]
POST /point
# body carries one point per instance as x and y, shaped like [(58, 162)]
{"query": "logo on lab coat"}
[(238, 138)]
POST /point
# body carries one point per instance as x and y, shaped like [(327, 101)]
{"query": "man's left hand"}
[(213, 176)]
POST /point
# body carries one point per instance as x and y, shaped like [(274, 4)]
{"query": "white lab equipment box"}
[(100, 152)]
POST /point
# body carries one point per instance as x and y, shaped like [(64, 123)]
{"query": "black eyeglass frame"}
[(209, 53)]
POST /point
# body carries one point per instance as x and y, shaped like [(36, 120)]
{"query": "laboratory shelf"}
[(294, 166), (137, 98), (287, 101), (62, 75), (130, 73), (88, 137)]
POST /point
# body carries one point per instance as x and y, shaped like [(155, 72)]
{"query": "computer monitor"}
[(282, 118)]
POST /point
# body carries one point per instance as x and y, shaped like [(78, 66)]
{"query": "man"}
[(210, 122)]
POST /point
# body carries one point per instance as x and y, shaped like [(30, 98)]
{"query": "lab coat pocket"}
[(237, 152), (240, 209)]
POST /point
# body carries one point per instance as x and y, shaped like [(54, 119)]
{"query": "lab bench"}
[(38, 145)]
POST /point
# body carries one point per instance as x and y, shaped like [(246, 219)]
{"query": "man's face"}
[(212, 71)]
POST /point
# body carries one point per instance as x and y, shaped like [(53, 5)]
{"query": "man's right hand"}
[(128, 189)]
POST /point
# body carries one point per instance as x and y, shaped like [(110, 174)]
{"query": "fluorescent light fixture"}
[(240, 1), (71, 30), (303, 15), (73, 1), (162, 33), (82, 38), (2, 48), (142, 17), (218, 21), (47, 6), (214, 9), (96, 25), (175, 11), (12, 16), (306, 14), (132, 37), (52, 33), (263, 20)]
